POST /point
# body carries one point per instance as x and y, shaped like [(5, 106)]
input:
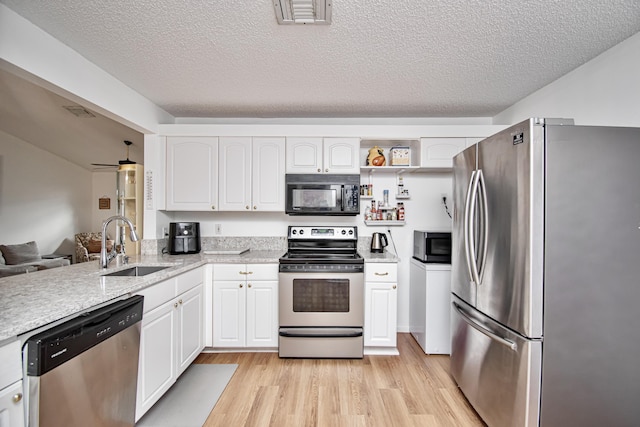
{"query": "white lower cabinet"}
[(430, 306), (11, 398), (172, 335), (245, 305), (11, 407), (381, 308)]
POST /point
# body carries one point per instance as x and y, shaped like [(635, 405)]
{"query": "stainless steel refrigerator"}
[(545, 316)]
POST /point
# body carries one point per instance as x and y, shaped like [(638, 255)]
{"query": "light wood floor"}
[(412, 389)]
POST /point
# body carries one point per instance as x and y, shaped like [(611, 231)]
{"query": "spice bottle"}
[(400, 211)]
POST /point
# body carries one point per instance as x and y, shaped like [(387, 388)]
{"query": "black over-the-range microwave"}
[(322, 194), (432, 247)]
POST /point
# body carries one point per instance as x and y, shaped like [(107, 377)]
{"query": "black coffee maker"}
[(184, 238)]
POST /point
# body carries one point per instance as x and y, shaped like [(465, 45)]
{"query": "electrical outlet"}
[(218, 230), (165, 232)]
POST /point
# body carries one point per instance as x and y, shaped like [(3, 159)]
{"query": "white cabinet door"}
[(438, 153), (229, 306), (304, 155), (11, 406), (235, 173), (262, 313), (341, 155), (380, 328), (156, 366), (190, 327), (245, 305), (268, 170), (323, 155), (192, 173)]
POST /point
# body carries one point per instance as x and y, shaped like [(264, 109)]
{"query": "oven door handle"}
[(321, 332)]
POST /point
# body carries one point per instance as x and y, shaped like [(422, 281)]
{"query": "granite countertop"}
[(29, 301), (385, 256)]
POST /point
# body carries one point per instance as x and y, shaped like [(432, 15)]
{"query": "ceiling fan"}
[(120, 162)]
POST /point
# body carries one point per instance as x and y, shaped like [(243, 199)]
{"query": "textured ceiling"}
[(378, 58)]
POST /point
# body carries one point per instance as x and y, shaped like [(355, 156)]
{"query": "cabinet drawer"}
[(158, 294), (263, 271), (381, 272), (189, 280), (245, 272)]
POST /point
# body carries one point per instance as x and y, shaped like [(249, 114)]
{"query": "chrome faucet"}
[(104, 256)]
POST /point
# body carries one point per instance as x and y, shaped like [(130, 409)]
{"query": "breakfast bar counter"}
[(32, 300)]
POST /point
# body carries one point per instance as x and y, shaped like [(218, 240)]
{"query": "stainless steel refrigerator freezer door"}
[(592, 278), (497, 370), (464, 166), (511, 164)]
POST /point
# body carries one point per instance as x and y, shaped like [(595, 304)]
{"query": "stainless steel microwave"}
[(432, 247), (322, 194)]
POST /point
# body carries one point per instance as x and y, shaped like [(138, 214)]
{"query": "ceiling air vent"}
[(303, 11), (78, 111)]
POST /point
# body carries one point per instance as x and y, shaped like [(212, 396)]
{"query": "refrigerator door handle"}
[(471, 234), (513, 346), (484, 225), (466, 223)]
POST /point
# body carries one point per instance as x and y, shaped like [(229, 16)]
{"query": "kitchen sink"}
[(140, 270)]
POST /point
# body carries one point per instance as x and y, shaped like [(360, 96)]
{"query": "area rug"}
[(190, 400)]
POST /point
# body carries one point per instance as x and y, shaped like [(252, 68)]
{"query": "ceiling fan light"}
[(303, 11)]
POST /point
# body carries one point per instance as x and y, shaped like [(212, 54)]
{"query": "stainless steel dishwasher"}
[(84, 371)]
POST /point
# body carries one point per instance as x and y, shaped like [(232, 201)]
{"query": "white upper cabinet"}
[(438, 153), (192, 173), (268, 170), (341, 155), (235, 173), (323, 155), (251, 173)]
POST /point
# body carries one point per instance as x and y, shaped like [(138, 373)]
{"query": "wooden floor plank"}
[(412, 389)]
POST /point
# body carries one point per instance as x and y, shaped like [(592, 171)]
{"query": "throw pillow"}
[(94, 246), (20, 254)]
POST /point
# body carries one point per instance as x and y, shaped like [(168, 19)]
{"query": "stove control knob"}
[(294, 231), (350, 231), (344, 231), (301, 231)]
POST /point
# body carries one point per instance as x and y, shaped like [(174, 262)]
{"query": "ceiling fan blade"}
[(104, 164)]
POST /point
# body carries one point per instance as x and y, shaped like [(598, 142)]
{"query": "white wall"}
[(42, 197), (604, 91)]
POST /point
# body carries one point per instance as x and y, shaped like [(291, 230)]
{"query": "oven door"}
[(321, 299)]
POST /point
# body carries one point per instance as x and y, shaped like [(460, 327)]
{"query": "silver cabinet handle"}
[(381, 274), (245, 272), (247, 207), (255, 208), (175, 305), (17, 397), (319, 170), (213, 207), (249, 285), (394, 286), (240, 285), (180, 302), (513, 346)]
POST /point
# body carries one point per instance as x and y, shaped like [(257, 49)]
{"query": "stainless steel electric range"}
[(321, 294)]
